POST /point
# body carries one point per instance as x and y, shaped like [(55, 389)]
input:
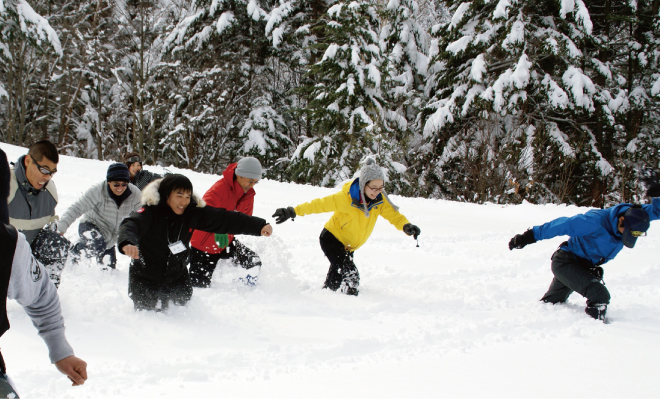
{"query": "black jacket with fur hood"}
[(154, 226)]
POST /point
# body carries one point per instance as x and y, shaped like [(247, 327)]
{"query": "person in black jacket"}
[(157, 238)]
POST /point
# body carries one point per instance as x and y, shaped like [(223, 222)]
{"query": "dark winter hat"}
[(118, 172), (635, 222), (4, 187), (249, 167), (131, 158), (370, 171)]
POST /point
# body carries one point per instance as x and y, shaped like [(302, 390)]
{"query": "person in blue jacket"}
[(596, 237)]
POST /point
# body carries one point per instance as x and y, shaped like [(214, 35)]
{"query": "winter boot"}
[(597, 311)]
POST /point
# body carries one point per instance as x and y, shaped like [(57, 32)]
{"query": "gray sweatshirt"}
[(30, 286), (101, 211)]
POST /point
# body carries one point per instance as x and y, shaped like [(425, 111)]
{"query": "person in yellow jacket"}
[(356, 208)]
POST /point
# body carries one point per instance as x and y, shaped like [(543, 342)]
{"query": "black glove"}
[(597, 271), (283, 214), (649, 178), (520, 240), (411, 230)]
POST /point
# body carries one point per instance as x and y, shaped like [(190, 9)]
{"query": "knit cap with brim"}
[(248, 167), (118, 172), (370, 171)]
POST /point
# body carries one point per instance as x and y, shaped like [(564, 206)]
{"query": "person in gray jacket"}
[(104, 206), (22, 278), (32, 200)]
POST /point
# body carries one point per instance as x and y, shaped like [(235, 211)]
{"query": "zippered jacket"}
[(30, 209), (349, 224), (101, 210), (154, 227), (593, 235), (227, 194)]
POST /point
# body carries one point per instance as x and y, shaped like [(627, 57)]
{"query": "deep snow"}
[(457, 317)]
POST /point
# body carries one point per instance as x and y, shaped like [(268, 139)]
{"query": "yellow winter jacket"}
[(349, 223)]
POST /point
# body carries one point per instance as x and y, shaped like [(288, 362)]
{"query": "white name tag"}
[(177, 247)]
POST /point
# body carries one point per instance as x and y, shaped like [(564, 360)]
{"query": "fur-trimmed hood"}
[(151, 196)]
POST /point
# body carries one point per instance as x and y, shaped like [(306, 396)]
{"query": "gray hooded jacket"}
[(101, 211)]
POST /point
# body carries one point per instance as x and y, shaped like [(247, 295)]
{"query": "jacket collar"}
[(21, 177), (150, 195), (228, 175)]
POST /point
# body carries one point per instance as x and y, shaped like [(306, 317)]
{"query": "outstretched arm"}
[(30, 286)]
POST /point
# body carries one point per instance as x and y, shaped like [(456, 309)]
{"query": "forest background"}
[(484, 101)]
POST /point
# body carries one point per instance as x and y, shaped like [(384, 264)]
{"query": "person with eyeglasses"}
[(233, 192), (595, 238), (32, 201), (103, 207), (356, 209), (139, 176)]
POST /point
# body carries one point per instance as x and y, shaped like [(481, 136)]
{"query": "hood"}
[(615, 212), (150, 195), (228, 175), (356, 190)]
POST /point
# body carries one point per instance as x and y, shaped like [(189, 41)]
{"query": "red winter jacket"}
[(228, 194)]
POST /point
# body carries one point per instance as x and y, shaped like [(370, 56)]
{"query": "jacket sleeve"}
[(30, 286), (216, 196), (575, 226), (332, 203), (84, 204), (133, 226), (221, 221), (393, 216), (653, 209)]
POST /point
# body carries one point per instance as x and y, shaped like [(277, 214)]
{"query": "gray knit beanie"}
[(249, 167), (370, 171)]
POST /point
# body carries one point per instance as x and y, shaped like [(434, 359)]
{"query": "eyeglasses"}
[(252, 182), (115, 185), (377, 189), (44, 170), (134, 159)]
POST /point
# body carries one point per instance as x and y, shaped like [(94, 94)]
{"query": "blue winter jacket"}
[(593, 235)]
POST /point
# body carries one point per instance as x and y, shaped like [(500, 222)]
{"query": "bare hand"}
[(131, 251), (74, 368), (267, 230)]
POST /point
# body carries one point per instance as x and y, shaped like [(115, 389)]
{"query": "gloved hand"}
[(411, 230), (520, 240), (649, 177), (222, 240), (283, 214), (597, 271)]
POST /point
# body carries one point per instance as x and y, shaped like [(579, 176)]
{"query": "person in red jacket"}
[(233, 192)]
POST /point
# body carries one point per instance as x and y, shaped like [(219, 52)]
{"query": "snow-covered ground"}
[(458, 316)]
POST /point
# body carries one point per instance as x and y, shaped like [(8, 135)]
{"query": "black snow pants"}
[(51, 249), (147, 295), (343, 274), (92, 244), (202, 264), (573, 273)]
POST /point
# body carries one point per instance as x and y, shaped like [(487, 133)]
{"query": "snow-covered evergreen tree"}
[(513, 104), (347, 110)]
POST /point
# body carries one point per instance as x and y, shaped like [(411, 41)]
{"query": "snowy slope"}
[(457, 317)]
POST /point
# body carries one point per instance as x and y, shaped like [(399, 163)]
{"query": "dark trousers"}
[(147, 295), (5, 387), (93, 244), (202, 264), (51, 249), (343, 274), (574, 274)]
